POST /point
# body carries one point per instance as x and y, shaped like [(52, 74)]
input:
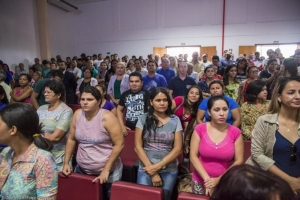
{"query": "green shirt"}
[(45, 71), (117, 90), (39, 88)]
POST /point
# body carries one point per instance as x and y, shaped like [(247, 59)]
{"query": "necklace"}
[(288, 128)]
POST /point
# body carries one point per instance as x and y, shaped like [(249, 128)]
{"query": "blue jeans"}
[(168, 181)]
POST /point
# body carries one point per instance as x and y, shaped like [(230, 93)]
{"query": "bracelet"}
[(163, 165)]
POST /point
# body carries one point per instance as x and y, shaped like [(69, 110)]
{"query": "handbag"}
[(184, 180)]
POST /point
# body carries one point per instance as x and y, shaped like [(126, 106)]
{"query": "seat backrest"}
[(74, 107), (189, 196), (128, 155), (124, 190), (247, 149), (78, 187)]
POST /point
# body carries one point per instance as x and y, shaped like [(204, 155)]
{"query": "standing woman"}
[(158, 143), (275, 143), (118, 83), (104, 103), (256, 106), (215, 147), (100, 141), (22, 93), (56, 117), (185, 108), (230, 81), (209, 74), (173, 64), (28, 170), (87, 80), (101, 75), (252, 73)]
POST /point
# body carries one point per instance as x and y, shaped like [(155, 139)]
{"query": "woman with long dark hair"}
[(230, 81), (28, 169), (215, 147), (158, 143), (242, 66), (24, 91)]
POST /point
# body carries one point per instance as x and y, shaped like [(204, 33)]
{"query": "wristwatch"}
[(163, 166)]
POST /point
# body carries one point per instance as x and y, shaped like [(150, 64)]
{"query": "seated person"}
[(256, 106), (99, 139), (28, 168), (22, 93), (253, 183), (216, 87), (152, 79), (87, 80), (56, 117), (209, 74), (135, 101)]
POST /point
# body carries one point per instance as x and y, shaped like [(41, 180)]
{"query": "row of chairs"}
[(80, 187)]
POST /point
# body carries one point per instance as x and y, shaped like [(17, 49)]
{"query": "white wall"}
[(18, 36), (62, 32), (134, 27)]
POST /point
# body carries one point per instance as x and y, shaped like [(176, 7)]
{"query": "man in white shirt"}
[(191, 73), (74, 69), (204, 60)]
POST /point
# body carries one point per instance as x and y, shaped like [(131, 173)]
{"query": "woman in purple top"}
[(215, 147), (104, 103), (100, 141)]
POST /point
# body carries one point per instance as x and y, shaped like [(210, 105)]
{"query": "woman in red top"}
[(252, 74), (185, 108)]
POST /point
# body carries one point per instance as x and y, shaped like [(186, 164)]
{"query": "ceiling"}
[(85, 1)]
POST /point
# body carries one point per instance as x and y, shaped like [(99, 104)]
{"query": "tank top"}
[(94, 144), (19, 93)]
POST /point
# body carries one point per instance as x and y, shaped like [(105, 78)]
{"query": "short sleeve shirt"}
[(159, 143), (39, 88), (136, 104), (149, 83), (59, 118), (232, 105), (179, 86), (168, 73)]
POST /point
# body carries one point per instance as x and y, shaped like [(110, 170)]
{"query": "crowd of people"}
[(201, 108)]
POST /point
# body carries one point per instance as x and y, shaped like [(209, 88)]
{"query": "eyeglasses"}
[(293, 157)]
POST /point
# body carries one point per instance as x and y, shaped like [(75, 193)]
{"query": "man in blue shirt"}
[(227, 60), (166, 70), (153, 80), (179, 85)]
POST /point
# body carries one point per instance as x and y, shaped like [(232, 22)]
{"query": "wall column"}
[(43, 28)]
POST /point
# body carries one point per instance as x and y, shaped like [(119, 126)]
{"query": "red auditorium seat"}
[(129, 158), (124, 190), (78, 187), (247, 149), (189, 196), (74, 107)]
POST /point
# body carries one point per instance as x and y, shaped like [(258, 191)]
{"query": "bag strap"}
[(177, 107)]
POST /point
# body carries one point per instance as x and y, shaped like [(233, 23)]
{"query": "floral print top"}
[(250, 113), (32, 176)]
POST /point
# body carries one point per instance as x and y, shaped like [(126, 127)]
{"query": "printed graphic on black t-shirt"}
[(136, 104)]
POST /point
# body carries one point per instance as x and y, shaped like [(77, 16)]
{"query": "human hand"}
[(295, 184), (186, 146), (124, 130), (156, 180), (152, 169), (67, 170), (116, 101), (103, 177)]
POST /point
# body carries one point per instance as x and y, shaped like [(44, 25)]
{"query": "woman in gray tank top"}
[(158, 143)]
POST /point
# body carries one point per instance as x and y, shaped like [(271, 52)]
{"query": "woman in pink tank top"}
[(100, 141), (22, 93), (215, 147)]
